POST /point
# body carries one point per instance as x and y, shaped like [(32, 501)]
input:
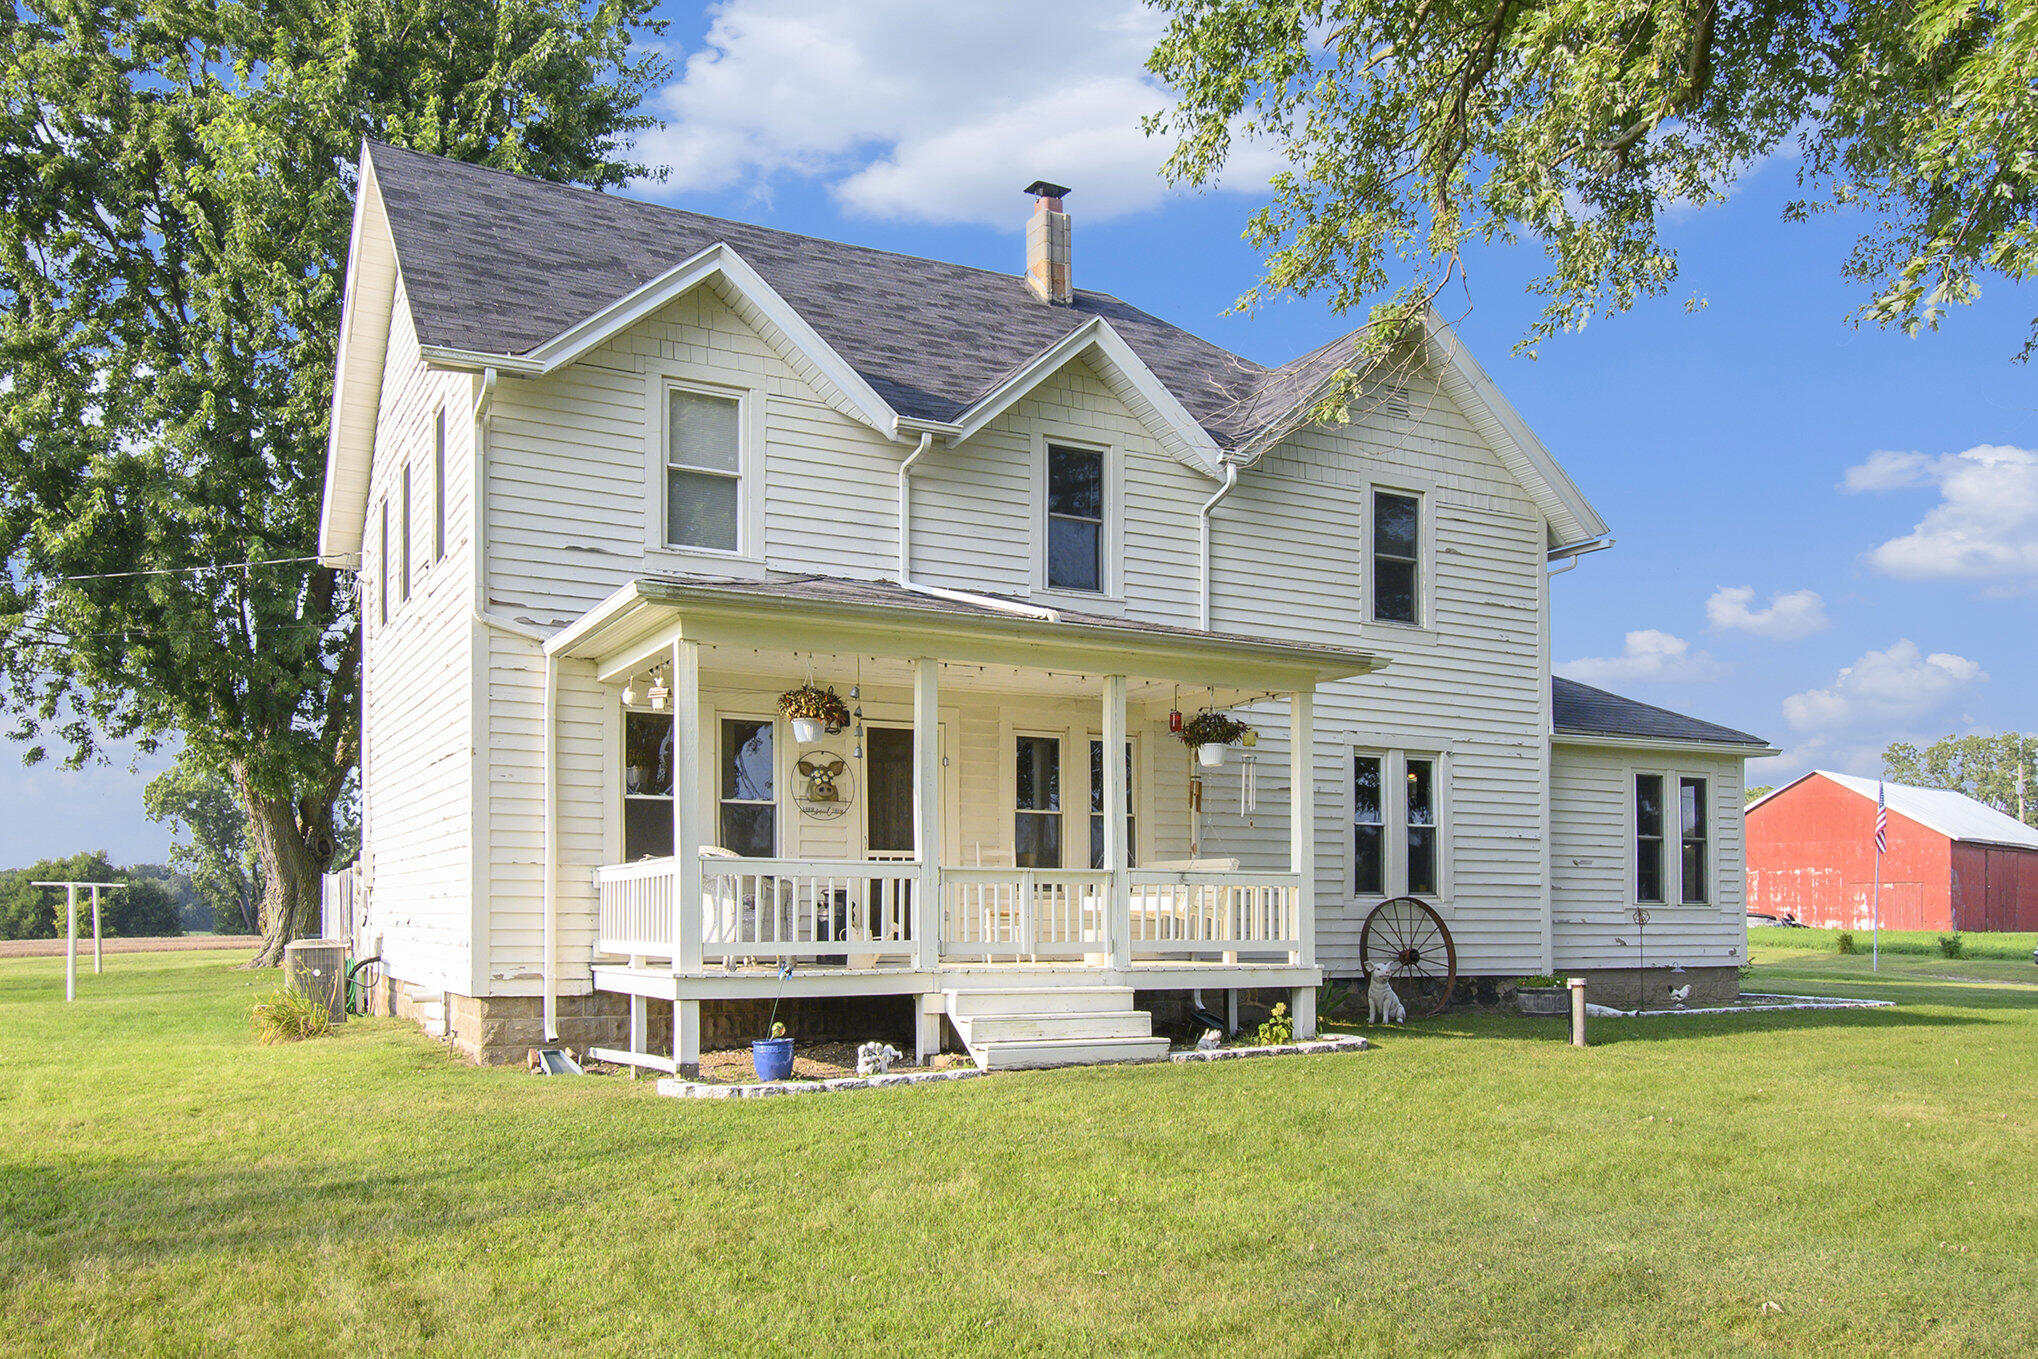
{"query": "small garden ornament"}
[(1382, 1005), (875, 1059)]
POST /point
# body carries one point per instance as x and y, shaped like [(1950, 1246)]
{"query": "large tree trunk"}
[(294, 840)]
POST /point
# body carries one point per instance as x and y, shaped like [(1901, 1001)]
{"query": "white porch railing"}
[(634, 908), (1188, 914), (866, 912), (856, 911), (1024, 913)]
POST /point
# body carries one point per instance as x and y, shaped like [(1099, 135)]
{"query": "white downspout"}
[(1230, 483), (1569, 553), (550, 782), (906, 581)]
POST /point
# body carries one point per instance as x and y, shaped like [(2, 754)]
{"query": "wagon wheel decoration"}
[(1414, 938)]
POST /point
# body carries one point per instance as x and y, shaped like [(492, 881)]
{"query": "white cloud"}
[(1787, 618), (1883, 688), (1648, 654), (931, 112), (1985, 526)]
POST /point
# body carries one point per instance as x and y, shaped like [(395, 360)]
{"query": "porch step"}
[(1052, 1026)]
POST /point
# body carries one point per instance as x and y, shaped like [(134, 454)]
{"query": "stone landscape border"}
[(1766, 1003), (678, 1088)]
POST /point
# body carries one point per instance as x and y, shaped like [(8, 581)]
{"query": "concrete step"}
[(1038, 1000), (1079, 1052), (1011, 1028)]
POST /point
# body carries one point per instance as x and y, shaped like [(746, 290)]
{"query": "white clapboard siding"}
[(416, 680), (1289, 552), (1591, 852)]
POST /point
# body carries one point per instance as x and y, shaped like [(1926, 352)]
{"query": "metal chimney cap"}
[(1040, 188)]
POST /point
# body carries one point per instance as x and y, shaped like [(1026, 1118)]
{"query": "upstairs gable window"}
[(1075, 519), (1397, 557), (703, 471)]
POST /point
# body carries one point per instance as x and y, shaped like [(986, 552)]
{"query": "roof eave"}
[(1746, 750), (374, 277)]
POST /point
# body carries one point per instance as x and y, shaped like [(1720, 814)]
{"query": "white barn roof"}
[(1955, 815)]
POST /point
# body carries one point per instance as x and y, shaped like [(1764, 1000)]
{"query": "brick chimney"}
[(1047, 245)]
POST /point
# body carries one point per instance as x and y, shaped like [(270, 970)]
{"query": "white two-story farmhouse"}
[(616, 477)]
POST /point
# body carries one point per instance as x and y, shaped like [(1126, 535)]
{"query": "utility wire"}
[(191, 570)]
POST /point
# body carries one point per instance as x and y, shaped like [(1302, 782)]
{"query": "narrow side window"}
[(439, 489), (1369, 827), (1648, 838), (404, 524), (1075, 519), (1397, 557), (1691, 830), (1422, 828), (382, 568)]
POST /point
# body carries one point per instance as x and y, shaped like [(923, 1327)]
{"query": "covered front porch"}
[(961, 838)]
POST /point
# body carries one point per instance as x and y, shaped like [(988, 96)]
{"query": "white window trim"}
[(1673, 839), (1113, 547), (1060, 736), (1424, 493), (1394, 797), (781, 737), (751, 437)]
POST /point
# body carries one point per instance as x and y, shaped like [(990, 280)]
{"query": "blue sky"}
[(1721, 445)]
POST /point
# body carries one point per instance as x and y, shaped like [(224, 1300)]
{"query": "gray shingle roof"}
[(1581, 710), (499, 263), (841, 590)]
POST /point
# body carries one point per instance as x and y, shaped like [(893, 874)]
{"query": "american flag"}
[(1881, 820)]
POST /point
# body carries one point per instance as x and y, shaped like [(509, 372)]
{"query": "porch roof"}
[(884, 618)]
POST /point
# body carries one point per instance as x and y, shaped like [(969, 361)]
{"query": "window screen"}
[(1397, 555), (703, 471), (1075, 519)]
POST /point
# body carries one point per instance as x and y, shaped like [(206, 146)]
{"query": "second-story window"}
[(439, 488), (703, 470), (1397, 557), (1075, 519), (404, 523)]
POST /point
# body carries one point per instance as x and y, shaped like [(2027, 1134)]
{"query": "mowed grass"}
[(1833, 1183)]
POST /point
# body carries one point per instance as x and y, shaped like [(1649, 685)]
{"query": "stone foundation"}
[(498, 1030)]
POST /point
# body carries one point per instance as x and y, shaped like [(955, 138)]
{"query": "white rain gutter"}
[(1569, 553), (1203, 523), (906, 581)]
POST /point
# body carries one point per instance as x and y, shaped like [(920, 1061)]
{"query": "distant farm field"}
[(1824, 1183)]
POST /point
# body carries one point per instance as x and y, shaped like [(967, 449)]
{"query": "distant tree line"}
[(155, 901), (1989, 769)]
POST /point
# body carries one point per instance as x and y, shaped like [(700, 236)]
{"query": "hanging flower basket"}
[(813, 711), (1211, 732)]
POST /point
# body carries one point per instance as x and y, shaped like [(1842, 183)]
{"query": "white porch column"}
[(688, 811), (1118, 914), (927, 831), (1302, 846)]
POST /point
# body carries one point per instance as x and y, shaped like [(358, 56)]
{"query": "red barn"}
[(1952, 863)]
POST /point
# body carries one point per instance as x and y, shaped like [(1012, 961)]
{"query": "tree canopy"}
[(1410, 128), (144, 908), (1986, 768), (175, 201)]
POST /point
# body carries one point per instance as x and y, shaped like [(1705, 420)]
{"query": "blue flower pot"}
[(773, 1058)]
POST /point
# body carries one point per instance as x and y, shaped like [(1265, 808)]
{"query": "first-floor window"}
[(749, 788), (1397, 824), (1036, 828), (1648, 838), (1422, 827), (1369, 826), (1691, 830), (1097, 807), (647, 785)]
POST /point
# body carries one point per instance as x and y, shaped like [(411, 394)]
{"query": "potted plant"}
[(813, 711), (1542, 995), (1210, 732), (773, 1056)]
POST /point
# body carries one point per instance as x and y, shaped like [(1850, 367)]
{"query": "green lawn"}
[(1472, 1186)]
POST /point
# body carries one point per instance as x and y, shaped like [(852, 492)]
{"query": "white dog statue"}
[(875, 1059), (1210, 1041), (1382, 1005)]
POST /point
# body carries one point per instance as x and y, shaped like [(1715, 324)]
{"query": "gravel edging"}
[(675, 1087), (1766, 1003)]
